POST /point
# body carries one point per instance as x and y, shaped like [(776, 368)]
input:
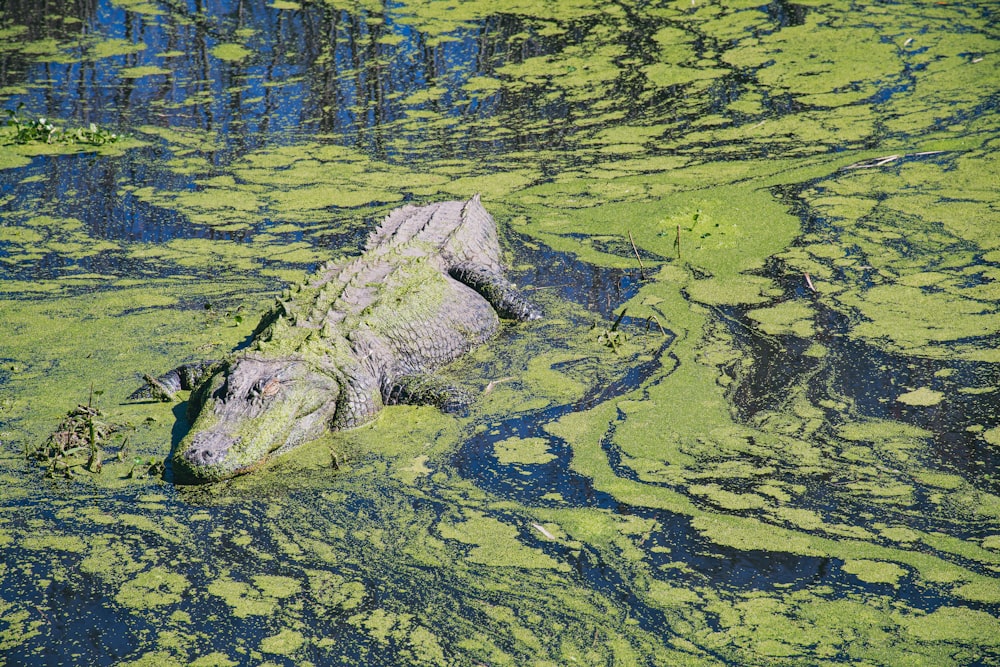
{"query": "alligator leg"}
[(427, 390), (185, 376), (505, 298)]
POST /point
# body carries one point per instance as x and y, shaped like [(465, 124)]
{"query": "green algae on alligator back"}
[(357, 335)]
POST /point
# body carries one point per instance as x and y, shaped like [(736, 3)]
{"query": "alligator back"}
[(418, 297), (463, 233)]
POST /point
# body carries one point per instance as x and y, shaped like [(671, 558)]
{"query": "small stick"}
[(654, 318), (493, 384), (621, 315), (809, 282), (541, 529), (677, 242), (642, 269)]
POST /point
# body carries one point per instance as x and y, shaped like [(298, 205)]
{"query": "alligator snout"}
[(207, 450)]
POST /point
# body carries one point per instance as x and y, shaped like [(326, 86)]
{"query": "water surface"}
[(788, 456)]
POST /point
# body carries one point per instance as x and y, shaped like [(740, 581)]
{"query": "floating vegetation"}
[(612, 336), (799, 468), (41, 130), (78, 443)]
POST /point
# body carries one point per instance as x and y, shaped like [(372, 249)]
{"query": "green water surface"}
[(799, 469)]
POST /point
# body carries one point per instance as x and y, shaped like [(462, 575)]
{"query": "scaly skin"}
[(356, 336)]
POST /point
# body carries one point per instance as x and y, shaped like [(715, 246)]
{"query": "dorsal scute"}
[(461, 233)]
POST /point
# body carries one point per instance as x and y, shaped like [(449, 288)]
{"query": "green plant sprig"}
[(43, 131)]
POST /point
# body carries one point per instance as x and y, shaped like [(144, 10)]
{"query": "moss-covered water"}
[(785, 454)]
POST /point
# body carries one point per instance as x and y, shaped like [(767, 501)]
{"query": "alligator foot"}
[(428, 390), (165, 387)]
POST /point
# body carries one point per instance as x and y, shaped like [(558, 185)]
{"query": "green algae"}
[(904, 254), (230, 52), (789, 317), (922, 396), (495, 543), (142, 71), (286, 642), (155, 587), (526, 450), (115, 47), (875, 572), (261, 598), (955, 624)]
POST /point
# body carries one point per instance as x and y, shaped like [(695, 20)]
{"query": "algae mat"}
[(784, 454)]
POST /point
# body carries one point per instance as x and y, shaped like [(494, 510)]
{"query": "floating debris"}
[(77, 442)]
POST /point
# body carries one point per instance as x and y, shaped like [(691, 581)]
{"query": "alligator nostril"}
[(200, 456), (209, 449)]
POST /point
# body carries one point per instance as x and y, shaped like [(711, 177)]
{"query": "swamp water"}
[(798, 469)]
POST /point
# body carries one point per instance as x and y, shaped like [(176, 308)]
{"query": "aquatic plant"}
[(43, 130), (76, 443), (613, 337), (799, 470)]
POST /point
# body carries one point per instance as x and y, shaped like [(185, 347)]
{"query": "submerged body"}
[(357, 335)]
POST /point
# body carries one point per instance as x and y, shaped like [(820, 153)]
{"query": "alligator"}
[(357, 335)]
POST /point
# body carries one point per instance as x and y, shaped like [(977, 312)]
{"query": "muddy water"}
[(788, 454)]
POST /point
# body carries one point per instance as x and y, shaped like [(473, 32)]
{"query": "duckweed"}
[(798, 469)]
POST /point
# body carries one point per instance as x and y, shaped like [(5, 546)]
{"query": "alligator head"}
[(251, 408)]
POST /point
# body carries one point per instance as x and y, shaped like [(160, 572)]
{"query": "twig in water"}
[(493, 384), (621, 315), (809, 282), (642, 269), (541, 529), (884, 160), (654, 318)]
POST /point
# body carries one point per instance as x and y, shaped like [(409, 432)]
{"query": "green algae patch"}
[(924, 396), (790, 317), (230, 52), (722, 235), (215, 659), (983, 590), (155, 587), (142, 71), (262, 598), (956, 624), (523, 450), (875, 572), (286, 642), (70, 543), (115, 47), (749, 534), (496, 543)]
